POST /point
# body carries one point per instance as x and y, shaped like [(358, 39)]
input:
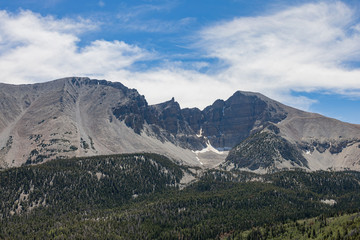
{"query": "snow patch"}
[(200, 133), (209, 148), (209, 156)]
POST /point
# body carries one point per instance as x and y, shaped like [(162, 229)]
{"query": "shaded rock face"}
[(224, 123), (133, 111), (165, 121), (169, 117), (334, 147)]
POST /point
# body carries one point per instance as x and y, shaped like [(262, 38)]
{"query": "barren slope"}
[(71, 117), (326, 143)]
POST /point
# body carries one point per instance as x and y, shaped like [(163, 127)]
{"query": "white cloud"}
[(303, 49), (35, 48), (190, 88)]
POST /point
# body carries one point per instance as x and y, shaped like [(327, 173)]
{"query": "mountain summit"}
[(83, 117)]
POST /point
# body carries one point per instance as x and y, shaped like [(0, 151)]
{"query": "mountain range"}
[(75, 117)]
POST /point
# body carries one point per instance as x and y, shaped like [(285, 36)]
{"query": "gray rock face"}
[(83, 117), (226, 123)]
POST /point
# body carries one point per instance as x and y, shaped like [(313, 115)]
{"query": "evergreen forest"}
[(148, 196)]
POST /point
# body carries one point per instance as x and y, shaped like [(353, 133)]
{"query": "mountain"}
[(75, 117)]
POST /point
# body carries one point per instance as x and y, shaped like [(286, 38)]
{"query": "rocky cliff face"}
[(83, 117), (226, 123)]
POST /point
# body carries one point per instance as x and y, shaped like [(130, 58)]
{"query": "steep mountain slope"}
[(302, 140), (73, 117), (82, 117), (326, 143)]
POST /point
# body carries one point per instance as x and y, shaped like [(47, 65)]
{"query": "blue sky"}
[(302, 53)]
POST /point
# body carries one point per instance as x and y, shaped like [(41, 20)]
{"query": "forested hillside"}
[(82, 183), (139, 196)]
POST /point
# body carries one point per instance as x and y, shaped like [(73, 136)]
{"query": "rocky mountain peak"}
[(84, 117), (171, 104)]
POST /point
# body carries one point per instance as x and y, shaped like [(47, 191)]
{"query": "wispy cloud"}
[(145, 18), (156, 25), (101, 3), (37, 48), (130, 13), (302, 48)]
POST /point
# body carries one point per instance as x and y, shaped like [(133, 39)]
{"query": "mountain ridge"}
[(73, 117)]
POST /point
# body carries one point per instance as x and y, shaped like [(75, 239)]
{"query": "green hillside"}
[(345, 226)]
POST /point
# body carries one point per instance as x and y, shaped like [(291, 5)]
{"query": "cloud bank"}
[(35, 49), (302, 49), (307, 48)]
